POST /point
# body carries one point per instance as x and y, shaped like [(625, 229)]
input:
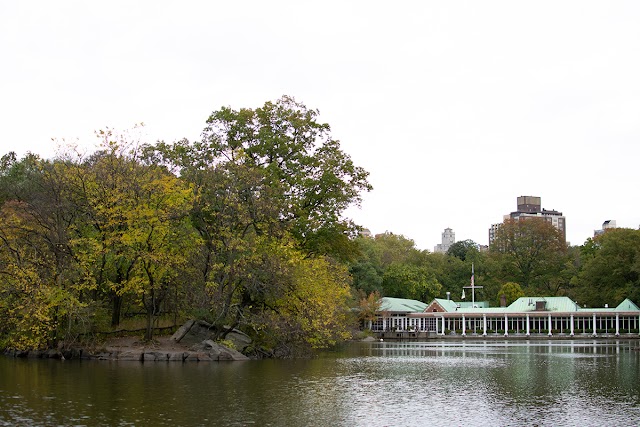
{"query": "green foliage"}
[(246, 228), (410, 281), (462, 249), (531, 252), (611, 268), (512, 291)]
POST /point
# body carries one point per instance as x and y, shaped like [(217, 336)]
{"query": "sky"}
[(455, 108)]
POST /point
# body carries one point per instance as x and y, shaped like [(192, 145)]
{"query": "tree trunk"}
[(148, 336), (116, 309)]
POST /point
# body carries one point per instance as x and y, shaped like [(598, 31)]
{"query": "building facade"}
[(448, 239), (527, 316), (531, 207), (610, 223)]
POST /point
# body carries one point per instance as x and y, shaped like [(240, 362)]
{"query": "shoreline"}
[(162, 349)]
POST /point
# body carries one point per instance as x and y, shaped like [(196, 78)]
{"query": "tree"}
[(263, 176), (135, 228), (533, 252), (297, 157), (512, 291), (410, 281), (40, 286), (396, 248), (462, 248), (366, 270), (369, 307), (611, 268)]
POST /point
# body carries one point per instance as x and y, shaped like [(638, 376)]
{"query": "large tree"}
[(262, 176), (297, 157), (531, 252), (39, 280), (610, 268)]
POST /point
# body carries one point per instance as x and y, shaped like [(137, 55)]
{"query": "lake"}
[(435, 383)]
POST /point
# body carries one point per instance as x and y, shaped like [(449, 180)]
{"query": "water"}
[(490, 383)]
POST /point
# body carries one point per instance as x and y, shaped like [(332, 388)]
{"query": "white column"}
[(528, 333), (384, 323), (617, 325), (484, 325), (464, 326), (506, 326), (571, 325), (436, 319), (444, 326), (549, 324), (594, 325)]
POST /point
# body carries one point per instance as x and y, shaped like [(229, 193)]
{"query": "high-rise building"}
[(531, 207), (610, 223), (448, 239)]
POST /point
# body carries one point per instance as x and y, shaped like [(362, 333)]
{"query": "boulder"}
[(197, 332), (183, 330), (218, 352), (152, 356), (131, 355), (54, 354), (194, 332), (191, 357), (176, 356), (204, 357), (239, 339)]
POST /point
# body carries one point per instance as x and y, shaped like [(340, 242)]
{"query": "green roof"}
[(401, 305), (521, 305), (560, 304), (627, 305), (447, 304), (477, 304)]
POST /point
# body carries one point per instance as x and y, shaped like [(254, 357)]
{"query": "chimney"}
[(503, 300), (448, 296)]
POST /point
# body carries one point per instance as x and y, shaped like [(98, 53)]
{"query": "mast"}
[(473, 288)]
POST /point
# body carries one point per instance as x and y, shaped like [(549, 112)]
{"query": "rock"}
[(131, 355), (191, 357), (193, 332), (53, 354), (152, 356), (104, 356), (73, 353), (176, 356), (183, 330), (204, 357), (239, 339), (218, 352), (198, 332)]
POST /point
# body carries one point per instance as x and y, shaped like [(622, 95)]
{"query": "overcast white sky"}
[(456, 108)]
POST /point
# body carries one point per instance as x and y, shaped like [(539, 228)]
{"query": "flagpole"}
[(472, 287)]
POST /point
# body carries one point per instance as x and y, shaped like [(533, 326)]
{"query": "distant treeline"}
[(528, 258)]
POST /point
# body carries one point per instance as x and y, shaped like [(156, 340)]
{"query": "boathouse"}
[(527, 316)]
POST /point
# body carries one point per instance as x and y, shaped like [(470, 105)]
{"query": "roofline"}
[(518, 313)]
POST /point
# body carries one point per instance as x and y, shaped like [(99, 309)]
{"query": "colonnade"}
[(512, 323)]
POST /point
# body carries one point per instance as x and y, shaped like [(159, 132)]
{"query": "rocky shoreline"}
[(191, 343)]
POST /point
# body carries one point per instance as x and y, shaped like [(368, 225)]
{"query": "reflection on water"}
[(366, 384)]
